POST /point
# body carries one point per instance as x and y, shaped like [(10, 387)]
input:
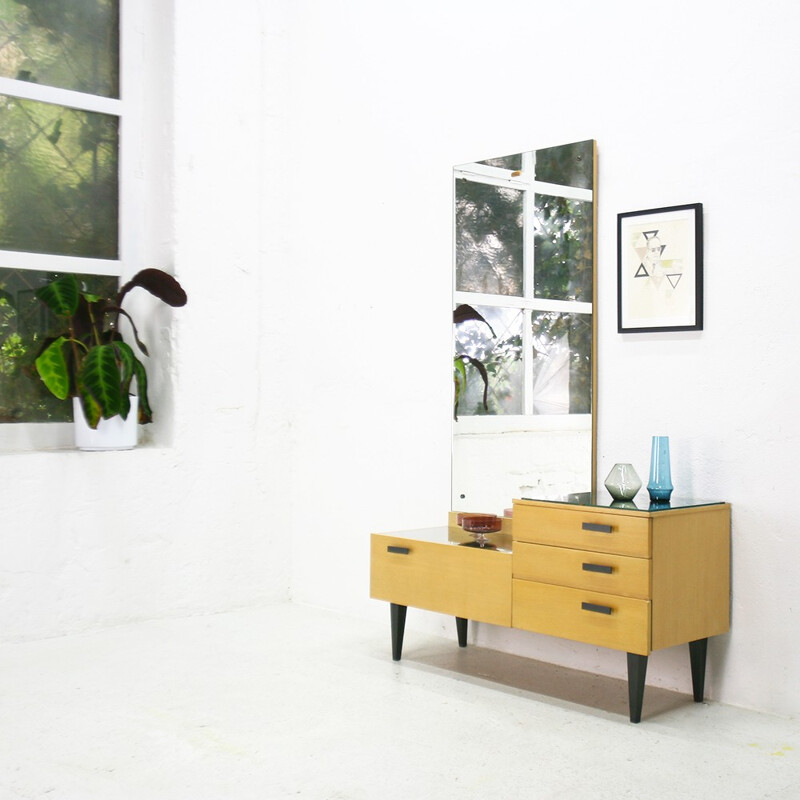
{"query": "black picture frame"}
[(660, 269)]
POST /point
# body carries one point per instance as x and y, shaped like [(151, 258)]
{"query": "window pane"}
[(69, 45), (24, 326), (562, 363), (563, 249), (488, 238), (499, 350), (567, 165), (58, 180), (513, 162)]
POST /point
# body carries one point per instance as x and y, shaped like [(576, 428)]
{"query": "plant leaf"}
[(91, 410), (484, 374), (126, 360), (158, 283), (52, 368), (465, 312), (100, 377), (139, 342), (61, 295), (145, 412), (459, 381)]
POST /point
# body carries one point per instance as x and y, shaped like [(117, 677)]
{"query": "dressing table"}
[(633, 577)]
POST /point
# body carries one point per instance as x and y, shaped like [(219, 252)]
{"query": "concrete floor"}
[(292, 702)]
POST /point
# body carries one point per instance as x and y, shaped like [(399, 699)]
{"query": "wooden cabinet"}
[(628, 578), (675, 562)]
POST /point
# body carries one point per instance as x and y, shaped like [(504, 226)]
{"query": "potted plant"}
[(87, 360)]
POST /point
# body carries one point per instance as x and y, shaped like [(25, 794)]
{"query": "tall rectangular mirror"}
[(524, 297)]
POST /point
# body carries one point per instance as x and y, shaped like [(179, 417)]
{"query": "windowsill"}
[(54, 437)]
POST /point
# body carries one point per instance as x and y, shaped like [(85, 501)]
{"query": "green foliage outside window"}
[(58, 175), (58, 180), (69, 44), (25, 326)]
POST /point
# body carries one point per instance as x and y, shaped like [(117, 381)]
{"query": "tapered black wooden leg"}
[(637, 669), (461, 628), (697, 658), (398, 615)]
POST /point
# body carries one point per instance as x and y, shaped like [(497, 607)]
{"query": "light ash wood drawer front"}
[(583, 529), (459, 581), (583, 569), (621, 623)]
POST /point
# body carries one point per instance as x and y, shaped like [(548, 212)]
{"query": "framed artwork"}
[(660, 269)]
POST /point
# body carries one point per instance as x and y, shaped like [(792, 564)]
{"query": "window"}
[(60, 122), (523, 264)]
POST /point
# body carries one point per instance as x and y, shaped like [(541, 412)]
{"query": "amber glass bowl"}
[(480, 523)]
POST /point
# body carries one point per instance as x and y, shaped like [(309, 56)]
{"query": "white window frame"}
[(28, 436), (522, 180)]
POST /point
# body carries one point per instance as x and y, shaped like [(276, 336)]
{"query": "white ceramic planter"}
[(111, 434)]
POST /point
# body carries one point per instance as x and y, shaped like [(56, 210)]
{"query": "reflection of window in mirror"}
[(524, 248), (524, 262)]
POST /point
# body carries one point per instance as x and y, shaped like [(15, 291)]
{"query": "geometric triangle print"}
[(641, 272), (674, 278)]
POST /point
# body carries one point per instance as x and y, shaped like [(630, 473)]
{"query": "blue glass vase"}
[(660, 484)]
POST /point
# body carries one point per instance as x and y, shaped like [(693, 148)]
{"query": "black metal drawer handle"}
[(593, 526), (598, 568), (404, 551), (596, 608)]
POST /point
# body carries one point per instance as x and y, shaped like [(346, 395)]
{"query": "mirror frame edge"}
[(594, 318)]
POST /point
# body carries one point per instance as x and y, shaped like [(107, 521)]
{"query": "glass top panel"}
[(641, 503)]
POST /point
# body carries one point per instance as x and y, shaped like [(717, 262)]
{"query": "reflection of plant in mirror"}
[(500, 356), (464, 313)]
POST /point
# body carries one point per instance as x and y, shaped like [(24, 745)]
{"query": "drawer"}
[(583, 569), (578, 614), (583, 529), (460, 581)]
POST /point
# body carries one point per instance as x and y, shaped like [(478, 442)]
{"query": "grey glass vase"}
[(623, 482)]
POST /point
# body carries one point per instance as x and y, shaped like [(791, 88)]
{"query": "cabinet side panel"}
[(691, 575)]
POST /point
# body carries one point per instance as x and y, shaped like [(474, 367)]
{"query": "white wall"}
[(310, 224), (687, 104)]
